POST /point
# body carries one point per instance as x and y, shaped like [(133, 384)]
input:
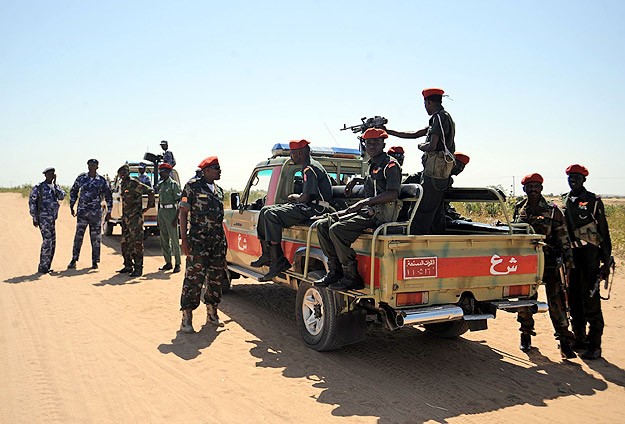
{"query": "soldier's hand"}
[(72, 211), (35, 224)]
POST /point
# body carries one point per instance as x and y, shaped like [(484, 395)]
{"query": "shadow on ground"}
[(406, 373)]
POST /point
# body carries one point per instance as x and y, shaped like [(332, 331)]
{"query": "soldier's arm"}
[(60, 193), (402, 134), (561, 237), (32, 204), (602, 228), (73, 193), (108, 196)]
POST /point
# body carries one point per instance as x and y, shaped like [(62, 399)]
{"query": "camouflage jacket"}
[(92, 191), (547, 219), (43, 202), (206, 207), (132, 192), (586, 220)]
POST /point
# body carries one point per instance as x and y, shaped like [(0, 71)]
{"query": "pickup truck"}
[(448, 283), (150, 223)]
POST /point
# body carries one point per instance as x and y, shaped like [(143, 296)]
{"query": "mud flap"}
[(478, 324), (352, 326)]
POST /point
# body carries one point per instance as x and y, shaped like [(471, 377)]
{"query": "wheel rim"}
[(312, 311)]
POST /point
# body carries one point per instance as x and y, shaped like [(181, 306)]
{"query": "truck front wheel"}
[(447, 330), (316, 312)]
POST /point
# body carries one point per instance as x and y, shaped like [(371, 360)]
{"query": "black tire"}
[(108, 228), (316, 312), (447, 330)]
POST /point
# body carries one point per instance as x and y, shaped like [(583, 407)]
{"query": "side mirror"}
[(235, 201)]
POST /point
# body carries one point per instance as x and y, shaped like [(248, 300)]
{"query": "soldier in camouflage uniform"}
[(89, 190), (43, 204), (546, 219), (590, 238), (315, 193), (132, 192), (205, 245)]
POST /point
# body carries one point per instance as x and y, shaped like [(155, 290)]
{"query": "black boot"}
[(335, 272), (265, 257), (351, 279), (526, 342), (566, 351), (591, 353), (278, 263), (138, 272)]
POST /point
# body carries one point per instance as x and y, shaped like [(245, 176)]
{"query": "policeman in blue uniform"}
[(89, 190), (142, 177), (168, 156), (43, 204)]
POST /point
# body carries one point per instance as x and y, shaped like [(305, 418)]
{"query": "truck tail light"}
[(412, 298), (512, 291)]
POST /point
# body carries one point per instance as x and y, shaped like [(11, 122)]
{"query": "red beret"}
[(211, 160), (577, 169), (431, 92), (532, 178), (462, 158), (372, 133), (298, 144), (165, 166), (398, 150)]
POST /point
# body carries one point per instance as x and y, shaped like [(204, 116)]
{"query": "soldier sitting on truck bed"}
[(338, 231), (316, 192)]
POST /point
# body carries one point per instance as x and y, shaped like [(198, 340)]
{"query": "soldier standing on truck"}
[(92, 188), (43, 204), (132, 192), (205, 245), (546, 219), (336, 234), (313, 200), (168, 156), (592, 246), (440, 134), (169, 194)]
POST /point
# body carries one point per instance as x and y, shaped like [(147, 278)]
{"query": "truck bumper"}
[(443, 313)]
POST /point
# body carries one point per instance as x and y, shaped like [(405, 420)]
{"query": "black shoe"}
[(138, 272), (275, 270), (579, 345), (165, 267), (94, 265), (526, 342), (591, 354), (265, 257), (125, 270), (566, 351), (72, 264), (176, 269), (335, 273), (44, 271), (351, 279)]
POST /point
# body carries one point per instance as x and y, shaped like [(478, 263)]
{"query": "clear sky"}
[(534, 85)]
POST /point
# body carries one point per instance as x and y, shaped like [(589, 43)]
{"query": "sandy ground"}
[(83, 346)]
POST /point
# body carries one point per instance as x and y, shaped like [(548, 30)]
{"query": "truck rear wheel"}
[(447, 330), (316, 314)]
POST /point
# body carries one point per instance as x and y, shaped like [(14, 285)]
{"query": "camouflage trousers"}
[(205, 267), (132, 240), (94, 222), (557, 307), (48, 246)]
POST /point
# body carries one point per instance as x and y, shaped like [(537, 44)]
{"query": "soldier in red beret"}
[(202, 206), (547, 219), (337, 233), (439, 137), (313, 200), (398, 153), (592, 250)]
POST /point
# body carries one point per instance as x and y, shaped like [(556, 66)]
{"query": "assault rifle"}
[(564, 285), (607, 277), (375, 122)]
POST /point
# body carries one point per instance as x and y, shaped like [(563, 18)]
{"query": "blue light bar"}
[(282, 149)]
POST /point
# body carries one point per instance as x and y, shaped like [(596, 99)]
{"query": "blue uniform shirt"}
[(43, 201), (92, 191)]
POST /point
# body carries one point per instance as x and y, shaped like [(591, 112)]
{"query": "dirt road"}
[(81, 346)]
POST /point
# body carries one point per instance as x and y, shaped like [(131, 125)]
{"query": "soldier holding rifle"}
[(547, 219), (592, 247)]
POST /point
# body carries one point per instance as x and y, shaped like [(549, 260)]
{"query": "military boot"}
[(335, 272), (351, 279), (212, 317), (265, 257), (591, 353), (187, 317), (566, 351), (278, 263), (526, 342), (138, 269)]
